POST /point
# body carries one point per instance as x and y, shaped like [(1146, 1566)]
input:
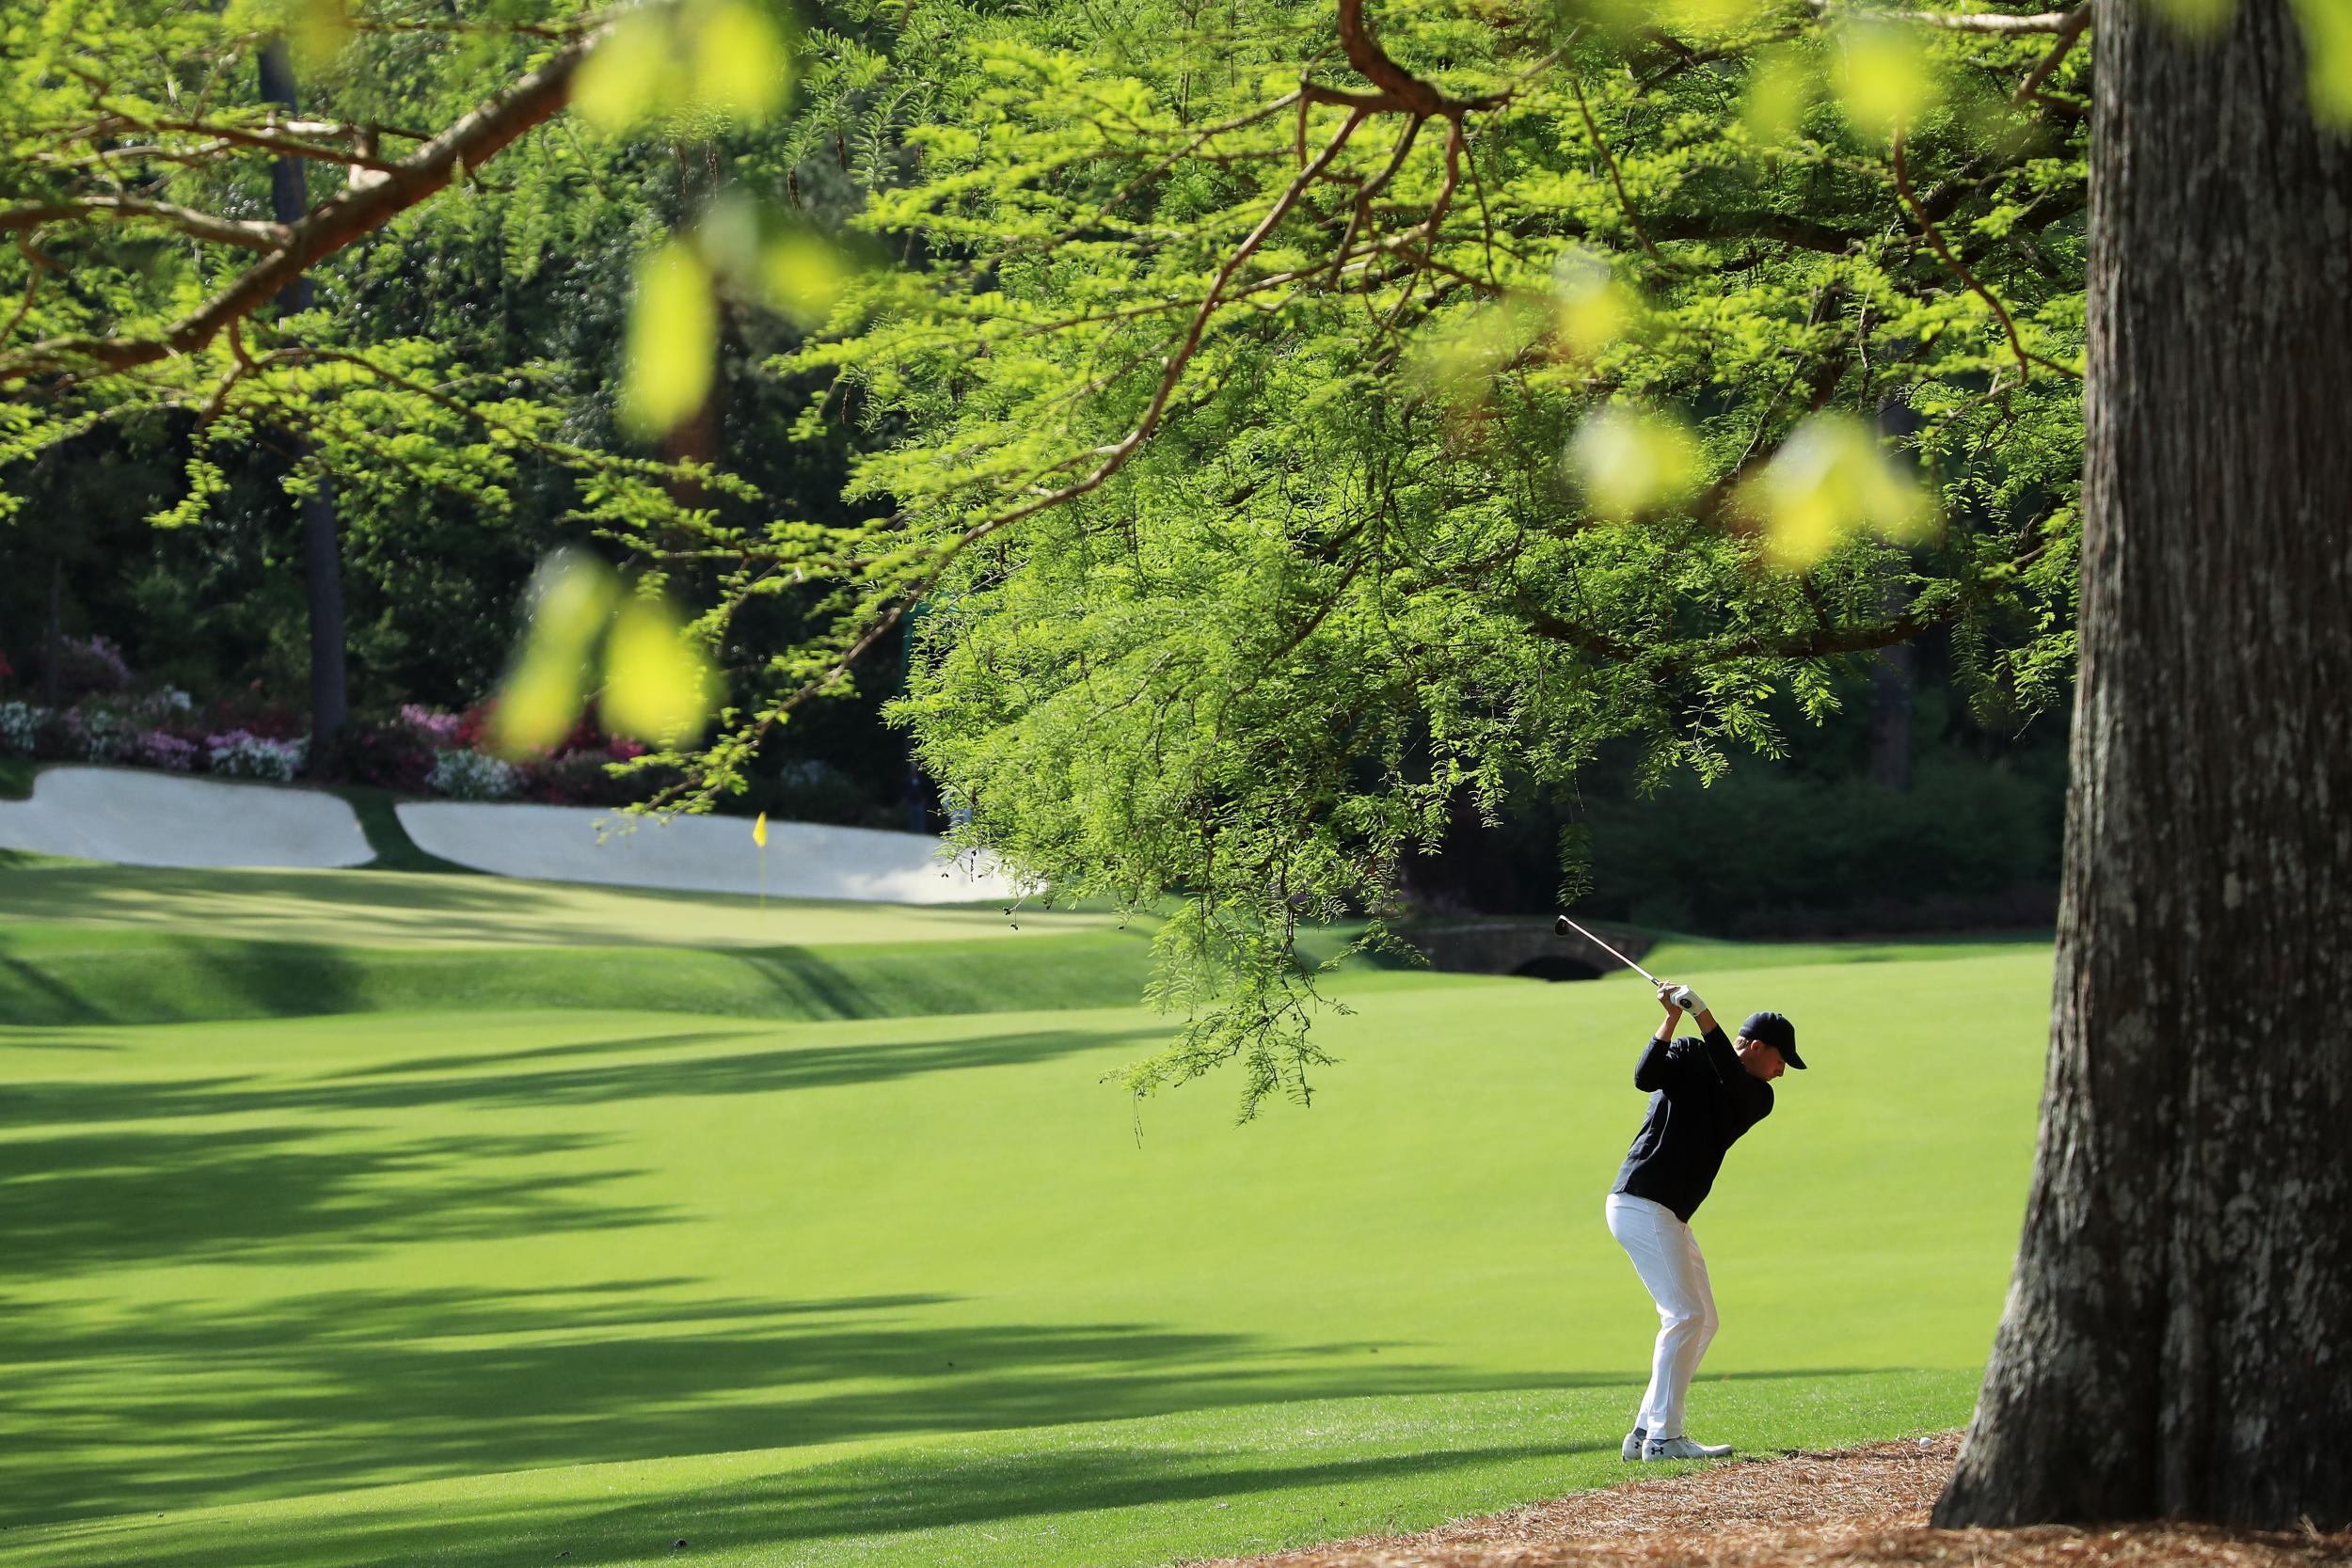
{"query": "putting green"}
[(474, 1288)]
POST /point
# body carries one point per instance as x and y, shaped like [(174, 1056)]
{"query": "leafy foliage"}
[(1284, 431), (1223, 417)]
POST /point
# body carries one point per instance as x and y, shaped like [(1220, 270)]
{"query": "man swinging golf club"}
[(1704, 1093)]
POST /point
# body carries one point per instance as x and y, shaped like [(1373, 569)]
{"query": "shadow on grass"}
[(139, 977), (663, 1072), (77, 1202), (179, 1407)]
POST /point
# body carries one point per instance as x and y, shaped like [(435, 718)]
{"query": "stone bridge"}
[(1519, 944)]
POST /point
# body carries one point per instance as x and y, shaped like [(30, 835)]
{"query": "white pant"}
[(1666, 1255)]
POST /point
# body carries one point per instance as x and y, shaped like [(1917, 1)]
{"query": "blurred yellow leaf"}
[(570, 598), (1705, 18), (1632, 460), (729, 236), (537, 704), (1592, 307), (2327, 40), (803, 276), (633, 74), (2198, 18), (1830, 480), (672, 341), (318, 31), (1780, 91), (1458, 358), (742, 66), (659, 682), (1883, 77)]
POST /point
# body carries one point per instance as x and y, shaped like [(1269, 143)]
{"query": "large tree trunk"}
[(2178, 1340), (322, 546)]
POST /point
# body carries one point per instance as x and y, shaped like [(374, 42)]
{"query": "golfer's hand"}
[(1666, 999), (1687, 1000)]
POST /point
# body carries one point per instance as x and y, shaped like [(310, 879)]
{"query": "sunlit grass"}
[(480, 1286)]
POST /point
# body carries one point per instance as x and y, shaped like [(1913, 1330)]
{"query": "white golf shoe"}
[(1633, 1442), (1682, 1447)]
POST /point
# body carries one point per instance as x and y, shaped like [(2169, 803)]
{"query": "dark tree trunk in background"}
[(53, 640), (2178, 1338), (1893, 690), (321, 549)]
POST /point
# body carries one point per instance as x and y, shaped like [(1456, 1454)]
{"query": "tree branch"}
[(2026, 360), (1959, 22), (249, 233), (335, 223), (2081, 18), (1399, 89)]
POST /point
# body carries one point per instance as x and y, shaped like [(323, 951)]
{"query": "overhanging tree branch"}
[(247, 233), (359, 209)]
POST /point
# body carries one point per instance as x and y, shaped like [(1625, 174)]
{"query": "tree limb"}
[(2026, 359), (335, 223), (1959, 22), (2080, 17), (248, 234)]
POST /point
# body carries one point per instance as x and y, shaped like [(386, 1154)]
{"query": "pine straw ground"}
[(1856, 1508)]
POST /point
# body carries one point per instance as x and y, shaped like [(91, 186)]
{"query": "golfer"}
[(1703, 1094)]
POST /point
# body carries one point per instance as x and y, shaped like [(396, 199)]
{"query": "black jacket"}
[(1701, 1100)]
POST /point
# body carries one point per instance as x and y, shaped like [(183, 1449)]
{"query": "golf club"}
[(1563, 925)]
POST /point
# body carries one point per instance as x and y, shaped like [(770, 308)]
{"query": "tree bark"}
[(322, 546), (2178, 1338)]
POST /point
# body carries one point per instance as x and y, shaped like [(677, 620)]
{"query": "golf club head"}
[(1560, 925)]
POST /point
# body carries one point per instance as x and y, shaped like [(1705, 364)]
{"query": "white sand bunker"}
[(135, 818), (702, 854)]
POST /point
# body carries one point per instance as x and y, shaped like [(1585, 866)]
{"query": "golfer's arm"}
[(1718, 1047), (1649, 1073)]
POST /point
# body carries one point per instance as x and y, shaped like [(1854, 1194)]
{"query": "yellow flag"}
[(759, 830)]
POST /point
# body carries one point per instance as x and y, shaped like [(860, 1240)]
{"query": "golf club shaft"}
[(1606, 948)]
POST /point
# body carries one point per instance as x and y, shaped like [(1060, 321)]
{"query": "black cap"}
[(1774, 1030)]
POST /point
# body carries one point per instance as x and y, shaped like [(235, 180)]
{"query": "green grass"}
[(479, 1278)]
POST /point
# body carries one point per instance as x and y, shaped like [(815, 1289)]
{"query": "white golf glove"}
[(1687, 1000)]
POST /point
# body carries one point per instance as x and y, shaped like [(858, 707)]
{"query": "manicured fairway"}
[(472, 1288)]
